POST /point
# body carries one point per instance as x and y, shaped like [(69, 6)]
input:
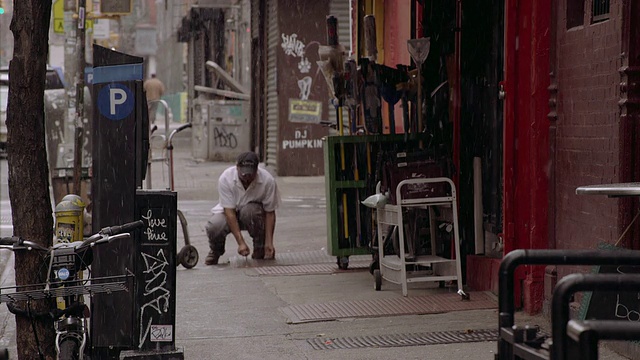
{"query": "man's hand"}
[(269, 227), (243, 249), (269, 252)]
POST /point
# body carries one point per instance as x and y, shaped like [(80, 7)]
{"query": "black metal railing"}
[(517, 342)]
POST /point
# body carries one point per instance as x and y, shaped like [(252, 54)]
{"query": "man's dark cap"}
[(247, 162)]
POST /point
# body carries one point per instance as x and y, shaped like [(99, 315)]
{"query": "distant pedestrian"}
[(154, 89), (248, 198)]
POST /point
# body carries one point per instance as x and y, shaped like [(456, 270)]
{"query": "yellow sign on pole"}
[(58, 17)]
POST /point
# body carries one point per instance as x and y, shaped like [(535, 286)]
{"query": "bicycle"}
[(65, 287)]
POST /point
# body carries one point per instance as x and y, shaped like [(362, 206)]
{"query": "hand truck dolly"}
[(188, 255)]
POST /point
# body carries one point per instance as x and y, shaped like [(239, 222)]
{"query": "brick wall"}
[(588, 128)]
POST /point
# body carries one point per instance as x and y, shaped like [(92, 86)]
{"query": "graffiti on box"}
[(224, 139), (157, 295), (155, 292)]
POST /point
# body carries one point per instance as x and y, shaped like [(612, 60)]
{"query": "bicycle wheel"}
[(69, 350)]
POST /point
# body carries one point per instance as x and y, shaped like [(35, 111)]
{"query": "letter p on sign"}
[(116, 97), (115, 101)]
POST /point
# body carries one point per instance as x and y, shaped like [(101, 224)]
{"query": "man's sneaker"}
[(212, 258), (258, 253)]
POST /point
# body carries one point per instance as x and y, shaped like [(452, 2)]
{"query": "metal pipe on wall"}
[(478, 217)]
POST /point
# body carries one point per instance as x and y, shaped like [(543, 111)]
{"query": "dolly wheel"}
[(188, 256), (343, 262), (463, 295), (378, 277)]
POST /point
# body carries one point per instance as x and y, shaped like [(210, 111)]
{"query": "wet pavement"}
[(248, 309)]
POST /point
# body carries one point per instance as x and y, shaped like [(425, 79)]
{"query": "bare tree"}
[(27, 159)]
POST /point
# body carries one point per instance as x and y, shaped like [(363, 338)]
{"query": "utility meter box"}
[(229, 129)]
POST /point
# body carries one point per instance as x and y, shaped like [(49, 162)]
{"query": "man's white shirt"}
[(232, 194)]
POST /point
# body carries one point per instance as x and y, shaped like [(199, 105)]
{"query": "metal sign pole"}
[(77, 158)]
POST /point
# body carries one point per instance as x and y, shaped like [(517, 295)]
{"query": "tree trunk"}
[(27, 160)]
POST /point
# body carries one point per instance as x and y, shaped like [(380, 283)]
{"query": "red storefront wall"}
[(525, 137), (525, 149)]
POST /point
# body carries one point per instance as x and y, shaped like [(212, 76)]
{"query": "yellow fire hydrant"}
[(70, 219)]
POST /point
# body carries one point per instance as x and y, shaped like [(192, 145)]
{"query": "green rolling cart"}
[(350, 170)]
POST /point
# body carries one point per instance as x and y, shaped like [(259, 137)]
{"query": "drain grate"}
[(293, 258), (428, 304), (418, 339), (308, 269)]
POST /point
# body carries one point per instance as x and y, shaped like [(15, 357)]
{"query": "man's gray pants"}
[(250, 218)]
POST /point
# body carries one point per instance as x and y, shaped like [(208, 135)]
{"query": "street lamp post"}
[(79, 129)]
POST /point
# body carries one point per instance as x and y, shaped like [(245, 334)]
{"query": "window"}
[(575, 13), (600, 11)]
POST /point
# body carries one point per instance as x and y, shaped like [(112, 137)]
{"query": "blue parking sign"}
[(115, 101)]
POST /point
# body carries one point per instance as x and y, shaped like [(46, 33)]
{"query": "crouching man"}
[(248, 198)]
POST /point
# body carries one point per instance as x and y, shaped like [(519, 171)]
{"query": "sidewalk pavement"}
[(300, 306)]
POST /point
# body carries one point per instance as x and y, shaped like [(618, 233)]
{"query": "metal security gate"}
[(273, 41), (341, 10), (258, 76)]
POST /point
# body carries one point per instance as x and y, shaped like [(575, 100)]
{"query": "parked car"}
[(54, 100)]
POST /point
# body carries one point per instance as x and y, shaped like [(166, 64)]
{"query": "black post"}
[(118, 135), (573, 283), (515, 258), (588, 333)]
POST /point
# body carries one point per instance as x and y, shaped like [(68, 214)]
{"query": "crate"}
[(418, 165)]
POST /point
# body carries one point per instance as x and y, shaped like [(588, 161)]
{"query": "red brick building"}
[(568, 73), (593, 112)]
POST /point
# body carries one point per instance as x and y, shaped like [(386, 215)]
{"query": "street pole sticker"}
[(115, 101)]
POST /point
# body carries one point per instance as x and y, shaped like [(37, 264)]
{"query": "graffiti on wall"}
[(305, 87), (158, 296), (155, 294), (302, 140), (294, 47), (302, 109), (224, 139)]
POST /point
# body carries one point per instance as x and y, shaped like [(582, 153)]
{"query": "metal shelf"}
[(393, 268)]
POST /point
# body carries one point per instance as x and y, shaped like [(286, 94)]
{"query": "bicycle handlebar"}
[(128, 227), (112, 231), (15, 242), (52, 314), (8, 241)]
